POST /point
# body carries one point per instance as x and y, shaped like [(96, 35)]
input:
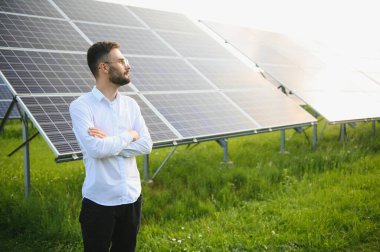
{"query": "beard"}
[(118, 78)]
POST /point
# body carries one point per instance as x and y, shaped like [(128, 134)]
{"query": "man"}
[(111, 132)]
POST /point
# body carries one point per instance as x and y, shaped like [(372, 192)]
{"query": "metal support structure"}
[(282, 144), (224, 144), (146, 167), (26, 156), (162, 164), (7, 114), (315, 136), (23, 144), (342, 132)]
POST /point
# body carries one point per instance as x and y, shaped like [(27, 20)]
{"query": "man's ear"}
[(103, 67)]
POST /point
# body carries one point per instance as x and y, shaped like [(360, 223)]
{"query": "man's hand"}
[(95, 132), (134, 134)]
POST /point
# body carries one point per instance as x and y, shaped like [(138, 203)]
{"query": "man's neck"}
[(109, 90)]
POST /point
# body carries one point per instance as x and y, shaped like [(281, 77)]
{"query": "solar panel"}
[(162, 20), (270, 109), (195, 45), (164, 74), (158, 130), (348, 106), (229, 74), (5, 101), (132, 40), (201, 114), (305, 70), (31, 72), (30, 7), (96, 11), (52, 116), (39, 33)]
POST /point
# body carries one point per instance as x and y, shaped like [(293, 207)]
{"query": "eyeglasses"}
[(123, 62)]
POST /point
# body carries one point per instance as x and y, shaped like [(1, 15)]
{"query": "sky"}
[(347, 26)]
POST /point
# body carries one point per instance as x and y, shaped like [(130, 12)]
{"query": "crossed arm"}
[(97, 144)]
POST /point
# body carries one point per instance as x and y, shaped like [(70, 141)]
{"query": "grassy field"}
[(305, 200)]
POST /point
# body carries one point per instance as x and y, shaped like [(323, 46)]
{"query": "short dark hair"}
[(96, 53)]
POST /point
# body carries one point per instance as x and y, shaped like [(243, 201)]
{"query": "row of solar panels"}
[(189, 86), (339, 91)]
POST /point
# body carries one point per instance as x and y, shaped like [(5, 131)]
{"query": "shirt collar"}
[(100, 96)]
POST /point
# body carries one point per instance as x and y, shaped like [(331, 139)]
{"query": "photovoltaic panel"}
[(5, 94), (30, 7), (53, 117), (132, 40), (306, 70), (162, 20), (195, 45), (31, 72), (229, 74), (165, 74), (51, 113), (270, 108), (6, 98), (200, 114), (158, 130), (39, 33), (96, 11), (348, 106)]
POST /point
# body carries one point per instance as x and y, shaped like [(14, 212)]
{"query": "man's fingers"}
[(96, 133)]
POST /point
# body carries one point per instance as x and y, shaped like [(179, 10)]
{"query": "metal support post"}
[(26, 157), (315, 136), (164, 162), (282, 144), (342, 132), (224, 144), (146, 167)]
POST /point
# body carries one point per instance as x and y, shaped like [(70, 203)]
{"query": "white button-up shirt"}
[(112, 177)]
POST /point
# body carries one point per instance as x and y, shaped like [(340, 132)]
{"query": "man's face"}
[(119, 68)]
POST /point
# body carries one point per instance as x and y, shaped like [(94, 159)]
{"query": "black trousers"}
[(110, 228)]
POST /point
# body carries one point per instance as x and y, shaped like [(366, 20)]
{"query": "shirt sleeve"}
[(82, 120), (144, 144)]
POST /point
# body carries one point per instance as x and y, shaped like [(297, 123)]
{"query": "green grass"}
[(321, 200)]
